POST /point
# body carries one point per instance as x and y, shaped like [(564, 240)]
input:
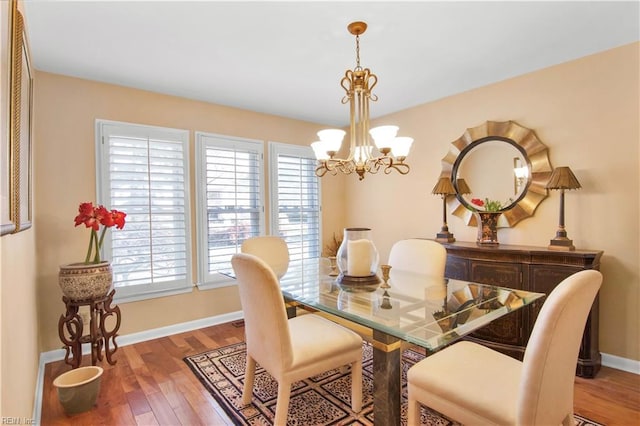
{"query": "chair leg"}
[(356, 386), (282, 404), (569, 420), (249, 375), (413, 410)]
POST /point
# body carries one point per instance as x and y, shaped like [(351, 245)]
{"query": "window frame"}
[(276, 148), (205, 279), (103, 196)]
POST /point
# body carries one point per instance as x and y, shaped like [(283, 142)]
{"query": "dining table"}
[(427, 311)]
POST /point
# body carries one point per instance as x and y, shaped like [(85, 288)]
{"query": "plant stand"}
[(70, 329)]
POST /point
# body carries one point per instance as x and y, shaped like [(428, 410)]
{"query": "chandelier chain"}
[(358, 67)]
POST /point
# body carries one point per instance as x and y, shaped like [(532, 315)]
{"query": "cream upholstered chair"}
[(421, 256), (273, 250), (477, 386), (289, 349)]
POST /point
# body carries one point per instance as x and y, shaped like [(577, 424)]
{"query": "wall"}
[(66, 110), (586, 112), (19, 349)]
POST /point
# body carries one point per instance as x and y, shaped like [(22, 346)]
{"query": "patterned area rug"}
[(320, 400)]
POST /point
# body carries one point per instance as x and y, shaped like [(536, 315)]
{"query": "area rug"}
[(321, 400)]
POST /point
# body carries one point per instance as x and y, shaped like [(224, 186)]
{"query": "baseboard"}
[(128, 339), (619, 363)]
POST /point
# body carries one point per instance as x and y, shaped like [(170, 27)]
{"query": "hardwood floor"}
[(151, 385)]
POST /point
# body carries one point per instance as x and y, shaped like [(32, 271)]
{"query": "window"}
[(144, 171), (295, 199), (230, 202)]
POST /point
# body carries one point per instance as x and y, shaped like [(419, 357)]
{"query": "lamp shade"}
[(563, 178), (444, 186), (401, 146), (463, 188)]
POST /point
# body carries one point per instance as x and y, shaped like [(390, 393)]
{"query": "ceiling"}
[(286, 58)]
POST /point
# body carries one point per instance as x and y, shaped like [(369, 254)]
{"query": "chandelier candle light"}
[(393, 150)]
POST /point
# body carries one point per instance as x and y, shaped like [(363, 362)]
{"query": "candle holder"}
[(357, 259), (385, 275)]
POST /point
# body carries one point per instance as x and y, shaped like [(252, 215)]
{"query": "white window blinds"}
[(143, 171), (295, 199), (230, 201)]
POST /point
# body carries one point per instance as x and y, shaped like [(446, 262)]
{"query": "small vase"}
[(81, 281), (487, 227), (333, 264)]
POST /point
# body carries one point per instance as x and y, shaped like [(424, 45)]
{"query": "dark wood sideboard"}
[(527, 268)]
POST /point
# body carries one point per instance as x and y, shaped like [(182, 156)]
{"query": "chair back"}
[(271, 249), (549, 365), (421, 256), (265, 317)]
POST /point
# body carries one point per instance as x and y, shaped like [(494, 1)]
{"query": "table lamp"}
[(462, 186), (562, 178), (444, 187)]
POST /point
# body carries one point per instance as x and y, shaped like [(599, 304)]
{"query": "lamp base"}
[(445, 237), (561, 244)]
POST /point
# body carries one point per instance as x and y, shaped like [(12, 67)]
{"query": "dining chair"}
[(420, 256), (476, 385), (289, 349), (272, 249)]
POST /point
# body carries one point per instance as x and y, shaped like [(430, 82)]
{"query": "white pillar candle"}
[(359, 257)]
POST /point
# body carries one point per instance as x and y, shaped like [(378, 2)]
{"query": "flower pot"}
[(80, 281), (487, 227), (78, 389)]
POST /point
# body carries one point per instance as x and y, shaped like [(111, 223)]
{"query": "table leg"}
[(387, 395)]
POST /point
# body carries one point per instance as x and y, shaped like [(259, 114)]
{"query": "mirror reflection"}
[(492, 169)]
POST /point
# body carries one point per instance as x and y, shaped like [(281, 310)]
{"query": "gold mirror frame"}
[(537, 156), (20, 128)]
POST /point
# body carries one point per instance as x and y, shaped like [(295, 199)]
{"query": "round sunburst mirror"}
[(499, 161)]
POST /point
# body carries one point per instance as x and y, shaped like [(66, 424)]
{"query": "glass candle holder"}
[(358, 258)]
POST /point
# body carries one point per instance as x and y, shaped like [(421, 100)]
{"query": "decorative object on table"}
[(331, 251), (92, 278), (393, 150), (562, 178), (78, 389), (487, 220), (445, 188), (386, 269), (358, 260), (102, 331)]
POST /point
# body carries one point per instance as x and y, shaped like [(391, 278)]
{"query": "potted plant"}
[(92, 278)]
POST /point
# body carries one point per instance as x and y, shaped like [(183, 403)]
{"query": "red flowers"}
[(489, 205), (93, 217), (478, 202)]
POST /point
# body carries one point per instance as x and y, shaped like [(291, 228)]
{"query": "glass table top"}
[(427, 311)]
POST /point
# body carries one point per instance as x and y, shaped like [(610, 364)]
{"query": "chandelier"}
[(391, 149)]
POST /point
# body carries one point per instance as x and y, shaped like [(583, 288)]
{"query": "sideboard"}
[(527, 268)]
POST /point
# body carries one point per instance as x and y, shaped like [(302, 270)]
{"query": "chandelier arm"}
[(401, 168)]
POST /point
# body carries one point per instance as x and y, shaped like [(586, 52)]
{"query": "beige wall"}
[(19, 349), (586, 112), (66, 110)]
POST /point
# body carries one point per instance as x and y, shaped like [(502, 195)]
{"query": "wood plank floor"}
[(151, 385)]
